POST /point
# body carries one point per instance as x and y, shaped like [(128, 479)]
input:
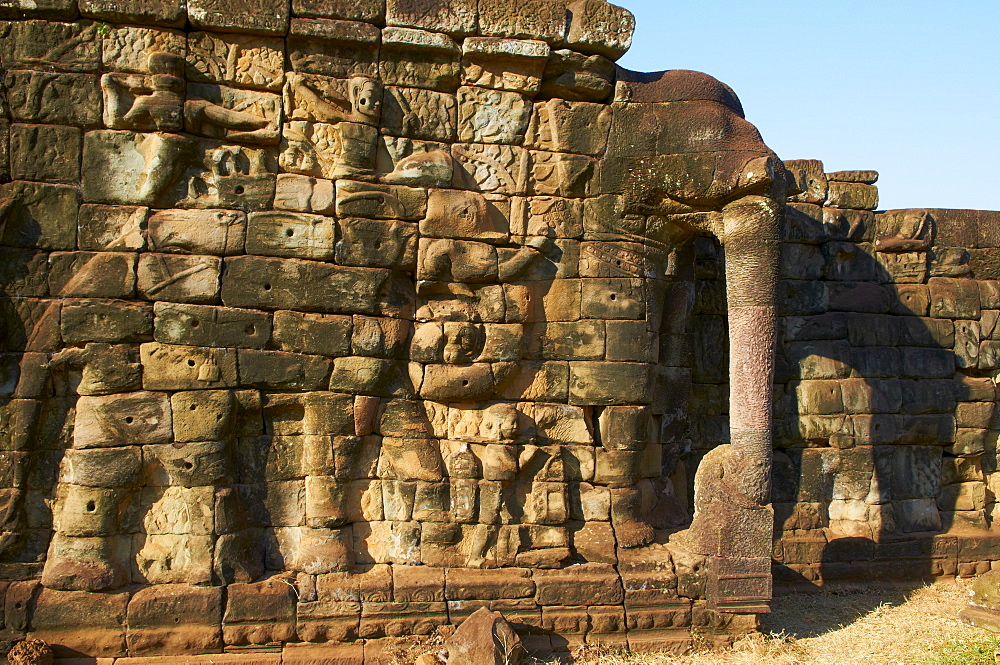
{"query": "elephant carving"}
[(404, 288)]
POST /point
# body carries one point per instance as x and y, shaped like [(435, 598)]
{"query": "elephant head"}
[(681, 154)]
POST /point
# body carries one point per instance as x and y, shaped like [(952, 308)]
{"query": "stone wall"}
[(326, 323), (321, 325), (885, 464)]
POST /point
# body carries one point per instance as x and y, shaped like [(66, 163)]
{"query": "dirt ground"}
[(845, 627)]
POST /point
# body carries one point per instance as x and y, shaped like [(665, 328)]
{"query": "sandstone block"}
[(117, 420), (319, 334), (175, 619), (218, 232), (59, 614), (600, 27), (111, 228), (161, 12), (455, 18), (68, 47), (305, 285), (41, 216), (577, 77), (54, 99), (203, 415), (192, 279), (202, 325), (852, 195), (244, 60), (504, 64), (366, 10), (49, 153), (259, 17), (315, 551), (486, 116), (304, 194), (260, 613), (173, 559), (538, 19), (419, 59), (333, 48), (170, 367)]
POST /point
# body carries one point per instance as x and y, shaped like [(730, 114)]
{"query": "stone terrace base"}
[(645, 603), (803, 563)]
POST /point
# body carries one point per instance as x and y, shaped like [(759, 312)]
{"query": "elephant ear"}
[(676, 85)]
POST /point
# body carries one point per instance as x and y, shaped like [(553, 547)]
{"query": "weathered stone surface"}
[(200, 325), (190, 279), (174, 619), (333, 48), (260, 17), (245, 60), (59, 614), (419, 59), (485, 637), (38, 215), (456, 18), (49, 153), (51, 98)]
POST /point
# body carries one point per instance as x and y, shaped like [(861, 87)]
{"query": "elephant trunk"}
[(752, 245)]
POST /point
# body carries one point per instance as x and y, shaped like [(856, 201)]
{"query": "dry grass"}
[(846, 627)]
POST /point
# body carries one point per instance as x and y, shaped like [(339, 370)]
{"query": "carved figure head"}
[(366, 96)]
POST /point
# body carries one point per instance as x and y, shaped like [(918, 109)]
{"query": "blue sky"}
[(909, 89)]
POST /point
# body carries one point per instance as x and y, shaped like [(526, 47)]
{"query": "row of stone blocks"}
[(558, 608)]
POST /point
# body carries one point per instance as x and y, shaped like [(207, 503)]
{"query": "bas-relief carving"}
[(410, 323)]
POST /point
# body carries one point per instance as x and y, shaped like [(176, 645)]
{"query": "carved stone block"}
[(558, 174), (244, 60), (361, 199), (173, 559), (575, 127), (152, 628), (419, 114), (313, 550), (320, 334), (576, 77), (333, 48), (279, 370), (504, 64), (600, 27), (260, 613), (304, 194), (291, 234), (117, 420), (535, 19), (492, 116), (218, 232), (47, 45), (191, 279), (258, 17), (203, 415), (377, 244), (105, 321), (349, 10), (92, 274), (229, 113), (419, 59), (309, 286), (104, 613), (127, 48), (201, 325), (502, 169), (45, 152), (455, 18), (131, 168), (103, 228), (169, 367), (52, 98), (332, 100), (328, 151)]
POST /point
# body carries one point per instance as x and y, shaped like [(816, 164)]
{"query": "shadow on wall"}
[(884, 392)]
